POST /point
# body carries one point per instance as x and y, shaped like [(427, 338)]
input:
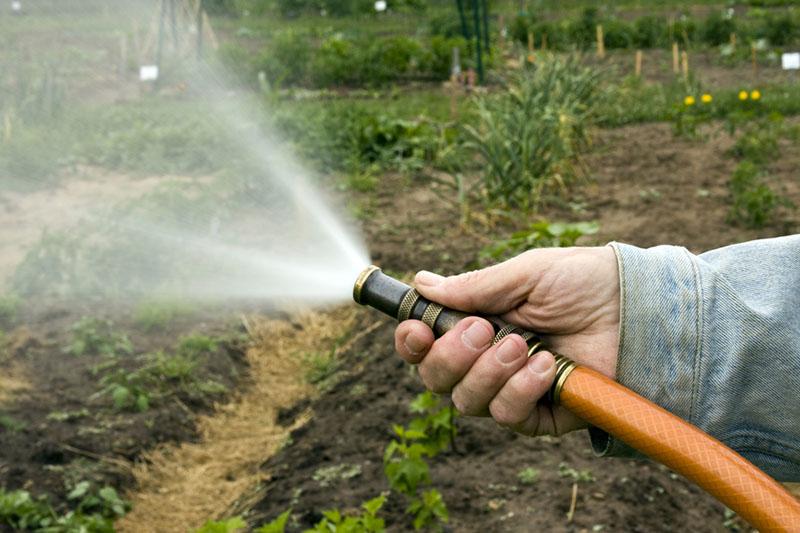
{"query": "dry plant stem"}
[(573, 503)]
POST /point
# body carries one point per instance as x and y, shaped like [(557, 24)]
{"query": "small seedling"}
[(577, 476), (528, 476)]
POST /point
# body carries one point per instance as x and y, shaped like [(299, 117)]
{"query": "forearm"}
[(715, 339)]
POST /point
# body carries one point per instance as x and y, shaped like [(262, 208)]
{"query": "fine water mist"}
[(171, 188)]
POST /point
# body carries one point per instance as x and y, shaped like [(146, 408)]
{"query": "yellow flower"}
[(755, 95), (689, 100), (706, 98), (743, 95)]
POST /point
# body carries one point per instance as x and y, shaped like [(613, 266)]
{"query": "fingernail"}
[(414, 344), (477, 336), (508, 352), (540, 364), (429, 279)]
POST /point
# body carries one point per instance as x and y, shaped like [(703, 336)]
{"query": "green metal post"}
[(485, 7), (478, 51), (463, 18)]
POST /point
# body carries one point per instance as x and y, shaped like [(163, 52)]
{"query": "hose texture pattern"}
[(684, 448)]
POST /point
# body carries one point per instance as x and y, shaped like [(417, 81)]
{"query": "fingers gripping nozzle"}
[(398, 300)]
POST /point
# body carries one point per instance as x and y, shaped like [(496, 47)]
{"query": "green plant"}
[(327, 475), (528, 476), (365, 522), (276, 526), (404, 459), (754, 202), (526, 158), (129, 390), (758, 144), (577, 476), (196, 345), (229, 525), (96, 336), (156, 315), (538, 235), (95, 511)]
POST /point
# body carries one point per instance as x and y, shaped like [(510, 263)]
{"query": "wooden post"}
[(685, 65), (733, 40), (638, 69), (531, 45), (754, 56), (675, 62), (601, 45)]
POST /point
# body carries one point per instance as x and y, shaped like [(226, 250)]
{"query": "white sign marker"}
[(380, 5), (148, 72), (790, 61)]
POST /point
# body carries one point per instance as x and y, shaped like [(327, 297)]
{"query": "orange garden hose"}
[(679, 445), (619, 411)]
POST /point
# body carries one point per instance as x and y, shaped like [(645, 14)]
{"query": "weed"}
[(276, 526), (577, 476), (157, 315), (758, 144), (528, 476), (366, 522), (197, 345), (96, 336), (524, 158), (429, 510), (128, 390), (321, 367), (538, 235)]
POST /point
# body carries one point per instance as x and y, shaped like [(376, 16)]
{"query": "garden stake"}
[(638, 63), (601, 45), (675, 65), (620, 412)]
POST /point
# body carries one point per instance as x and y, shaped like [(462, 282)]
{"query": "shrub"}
[(781, 29), (651, 31), (286, 58), (618, 34), (758, 144), (530, 137)]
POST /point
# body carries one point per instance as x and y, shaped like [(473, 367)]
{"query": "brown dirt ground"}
[(645, 188)]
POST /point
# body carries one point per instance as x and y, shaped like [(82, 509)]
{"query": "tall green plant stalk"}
[(530, 137)]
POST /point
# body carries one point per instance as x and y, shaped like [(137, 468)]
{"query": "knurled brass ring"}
[(504, 332), (407, 304), (564, 368), (431, 314), (534, 348)]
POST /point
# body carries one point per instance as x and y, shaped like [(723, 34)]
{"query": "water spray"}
[(620, 412)]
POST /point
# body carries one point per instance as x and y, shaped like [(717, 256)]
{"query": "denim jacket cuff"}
[(659, 337)]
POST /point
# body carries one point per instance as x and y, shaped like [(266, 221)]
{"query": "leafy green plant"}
[(278, 525), (129, 390), (366, 522), (524, 158), (95, 511), (754, 202), (196, 345), (538, 235), (404, 461), (759, 143), (96, 336)]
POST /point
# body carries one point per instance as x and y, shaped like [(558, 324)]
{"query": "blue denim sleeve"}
[(715, 339)]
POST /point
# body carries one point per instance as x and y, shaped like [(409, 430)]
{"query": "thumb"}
[(495, 289)]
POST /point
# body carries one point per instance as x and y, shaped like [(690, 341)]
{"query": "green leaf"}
[(276, 526), (79, 490)]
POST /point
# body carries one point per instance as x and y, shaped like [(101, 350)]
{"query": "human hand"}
[(570, 296)]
